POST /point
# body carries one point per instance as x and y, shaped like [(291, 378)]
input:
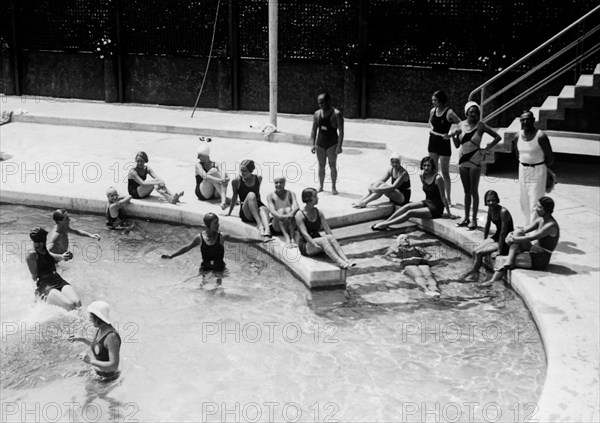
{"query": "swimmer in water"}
[(212, 247), (51, 287), (114, 216), (106, 345), (416, 264), (59, 237)]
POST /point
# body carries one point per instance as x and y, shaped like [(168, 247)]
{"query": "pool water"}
[(260, 347)]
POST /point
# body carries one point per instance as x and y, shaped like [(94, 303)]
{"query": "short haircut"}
[(431, 162), (307, 194), (491, 193), (547, 204), (441, 96), (248, 164), (209, 218), (325, 95), (59, 215), (143, 155)]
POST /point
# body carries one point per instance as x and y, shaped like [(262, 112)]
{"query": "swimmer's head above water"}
[(403, 241), (38, 234), (209, 218)]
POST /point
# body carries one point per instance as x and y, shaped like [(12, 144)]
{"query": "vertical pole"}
[(119, 51), (234, 52), (15, 49), (364, 55), (273, 22)]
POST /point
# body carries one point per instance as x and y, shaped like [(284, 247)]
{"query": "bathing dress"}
[(199, 179), (433, 199), (243, 192), (438, 144), (132, 185), (212, 255), (404, 189), (101, 353), (327, 136), (496, 236), (313, 228), (48, 279)]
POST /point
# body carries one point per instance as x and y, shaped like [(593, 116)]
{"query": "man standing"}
[(328, 122), (535, 155)]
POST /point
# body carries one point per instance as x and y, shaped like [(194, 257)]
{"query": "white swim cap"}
[(204, 149), (472, 104), (402, 241), (394, 155)]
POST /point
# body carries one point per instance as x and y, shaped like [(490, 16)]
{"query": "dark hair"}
[(441, 96), (325, 95), (143, 155), (491, 193), (248, 164), (547, 204), (59, 215), (307, 194), (431, 162), (209, 218), (38, 234)]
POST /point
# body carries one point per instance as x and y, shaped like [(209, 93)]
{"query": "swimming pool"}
[(261, 347)]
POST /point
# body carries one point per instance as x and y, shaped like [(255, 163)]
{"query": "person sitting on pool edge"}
[(397, 190), (138, 187), (252, 209), (502, 219), (283, 206), (106, 345), (51, 287), (310, 221), (59, 236), (211, 182), (416, 264), (114, 215), (522, 253), (212, 247)]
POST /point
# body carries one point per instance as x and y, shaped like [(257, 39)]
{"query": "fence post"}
[(119, 51), (234, 52), (15, 49), (363, 14)]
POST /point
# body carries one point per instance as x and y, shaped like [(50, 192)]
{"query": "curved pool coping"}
[(570, 391)]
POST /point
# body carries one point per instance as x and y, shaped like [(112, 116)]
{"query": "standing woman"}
[(468, 137), (431, 208), (252, 209), (139, 187), (106, 345), (441, 118)]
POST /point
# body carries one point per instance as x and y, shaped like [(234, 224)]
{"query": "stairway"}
[(571, 120)]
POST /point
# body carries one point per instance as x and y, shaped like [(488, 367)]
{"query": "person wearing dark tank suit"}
[(524, 254), (441, 118), (327, 137), (212, 247), (106, 345)]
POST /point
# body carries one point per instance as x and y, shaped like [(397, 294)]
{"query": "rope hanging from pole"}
[(212, 43)]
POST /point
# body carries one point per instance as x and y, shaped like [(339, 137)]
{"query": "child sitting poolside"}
[(114, 217)]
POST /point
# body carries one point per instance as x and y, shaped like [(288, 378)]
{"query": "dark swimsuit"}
[(328, 136), (199, 180), (243, 192), (541, 251), (411, 256), (312, 228), (113, 221), (404, 189), (433, 199), (438, 144), (101, 354), (48, 279), (132, 185), (212, 255), (496, 237)]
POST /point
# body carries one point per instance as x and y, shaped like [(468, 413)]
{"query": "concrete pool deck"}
[(55, 155)]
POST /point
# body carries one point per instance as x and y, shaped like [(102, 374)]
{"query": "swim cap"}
[(472, 104), (204, 149), (402, 241), (394, 156), (101, 310), (547, 204), (38, 234)]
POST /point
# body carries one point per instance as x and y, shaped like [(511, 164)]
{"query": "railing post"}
[(481, 99), (15, 49)]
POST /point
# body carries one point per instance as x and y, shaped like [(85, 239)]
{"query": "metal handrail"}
[(541, 83), (528, 55), (541, 65)]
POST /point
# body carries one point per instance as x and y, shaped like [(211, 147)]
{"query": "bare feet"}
[(334, 191), (359, 205), (320, 189)]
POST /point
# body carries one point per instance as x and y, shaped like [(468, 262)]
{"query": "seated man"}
[(415, 264), (522, 253), (283, 206)]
